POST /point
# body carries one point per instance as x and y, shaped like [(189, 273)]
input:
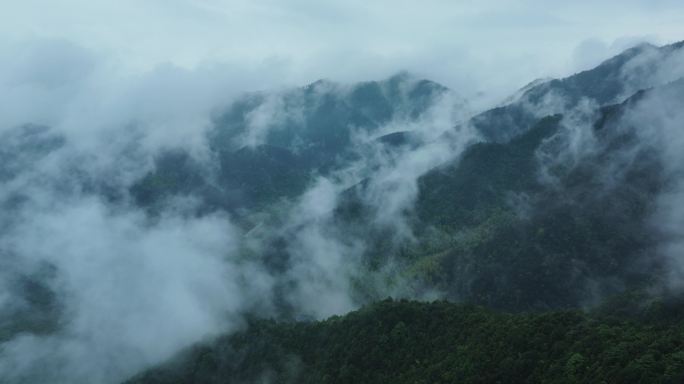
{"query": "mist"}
[(120, 289), (95, 286)]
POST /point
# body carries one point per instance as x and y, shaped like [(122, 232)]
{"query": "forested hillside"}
[(440, 342)]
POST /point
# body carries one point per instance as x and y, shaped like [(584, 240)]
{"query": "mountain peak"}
[(669, 48)]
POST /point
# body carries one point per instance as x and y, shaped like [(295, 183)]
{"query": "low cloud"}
[(89, 109), (658, 121)]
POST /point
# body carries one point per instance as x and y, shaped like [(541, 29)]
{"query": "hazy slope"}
[(270, 146), (612, 81)]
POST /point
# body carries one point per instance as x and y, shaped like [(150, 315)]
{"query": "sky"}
[(486, 48)]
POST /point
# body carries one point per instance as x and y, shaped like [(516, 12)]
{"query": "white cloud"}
[(134, 292), (472, 47)]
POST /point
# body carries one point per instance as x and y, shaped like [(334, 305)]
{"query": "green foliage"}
[(465, 192), (439, 342), (513, 240)]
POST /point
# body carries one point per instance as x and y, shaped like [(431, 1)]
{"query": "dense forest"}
[(441, 342)]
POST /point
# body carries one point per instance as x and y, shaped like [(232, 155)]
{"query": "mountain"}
[(535, 223), (612, 81), (551, 224), (565, 198), (267, 147), (534, 243)]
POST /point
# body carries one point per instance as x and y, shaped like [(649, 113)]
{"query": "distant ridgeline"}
[(267, 147)]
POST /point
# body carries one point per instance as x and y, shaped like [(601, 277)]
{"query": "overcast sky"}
[(471, 46)]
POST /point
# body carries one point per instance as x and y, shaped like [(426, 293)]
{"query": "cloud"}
[(88, 97), (323, 260), (117, 82), (491, 47), (133, 291), (633, 162), (393, 187), (123, 290), (658, 121)]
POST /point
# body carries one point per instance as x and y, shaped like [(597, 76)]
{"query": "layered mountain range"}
[(567, 197)]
